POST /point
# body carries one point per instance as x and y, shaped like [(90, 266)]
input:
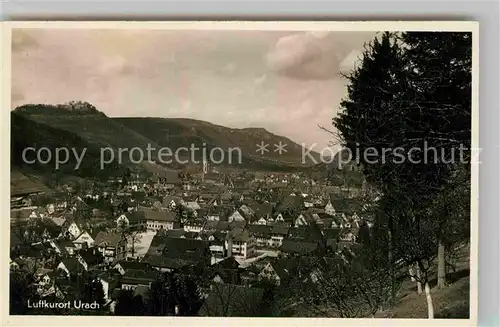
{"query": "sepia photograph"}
[(216, 169)]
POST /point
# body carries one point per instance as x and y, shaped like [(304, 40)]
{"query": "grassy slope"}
[(95, 128), (28, 133), (450, 302), (179, 132)]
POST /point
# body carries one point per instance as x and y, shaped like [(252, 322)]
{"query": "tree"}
[(21, 289), (175, 295), (352, 283), (440, 68), (129, 304), (162, 299), (92, 291), (132, 234), (400, 98)]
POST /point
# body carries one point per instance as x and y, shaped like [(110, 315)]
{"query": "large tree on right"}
[(407, 121)]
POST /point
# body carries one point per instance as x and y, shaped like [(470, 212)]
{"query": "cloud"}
[(229, 68), (16, 96), (22, 40), (260, 80), (116, 65), (310, 55)]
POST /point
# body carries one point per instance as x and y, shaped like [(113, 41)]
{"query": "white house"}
[(241, 245), (262, 221), (159, 219), (84, 237), (74, 230), (105, 281), (300, 221), (329, 209), (194, 225), (236, 216), (246, 210)]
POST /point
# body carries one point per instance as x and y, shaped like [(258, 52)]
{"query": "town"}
[(235, 229)]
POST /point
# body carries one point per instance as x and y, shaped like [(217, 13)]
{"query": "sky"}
[(285, 82)]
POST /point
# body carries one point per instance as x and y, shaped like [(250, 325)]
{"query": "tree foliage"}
[(407, 120)]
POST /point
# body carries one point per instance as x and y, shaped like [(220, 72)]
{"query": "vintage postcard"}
[(241, 169)]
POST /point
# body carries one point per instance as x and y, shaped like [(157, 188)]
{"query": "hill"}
[(91, 125), (182, 132), (28, 133), (81, 125)]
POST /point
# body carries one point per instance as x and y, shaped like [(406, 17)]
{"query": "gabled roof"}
[(280, 230), (241, 235), (308, 233), (176, 233), (136, 265), (135, 216), (331, 233), (227, 263), (260, 230), (63, 243), (169, 198), (72, 264), (139, 276), (158, 215), (183, 248), (91, 256), (291, 202), (298, 247), (261, 208), (107, 238)]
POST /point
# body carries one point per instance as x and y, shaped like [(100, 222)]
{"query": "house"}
[(194, 225), (261, 233), (329, 209), (298, 247), (270, 236), (84, 240), (109, 282), (24, 213), (348, 235), (301, 221), (240, 243), (169, 254), (262, 210), (245, 210), (229, 300), (166, 179), (74, 229), (192, 205), (226, 271), (63, 246), (279, 271), (217, 246), (159, 219), (90, 258), (112, 245), (45, 279), (276, 235), (70, 266), (236, 216), (134, 219), (134, 278), (284, 219), (123, 265)]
